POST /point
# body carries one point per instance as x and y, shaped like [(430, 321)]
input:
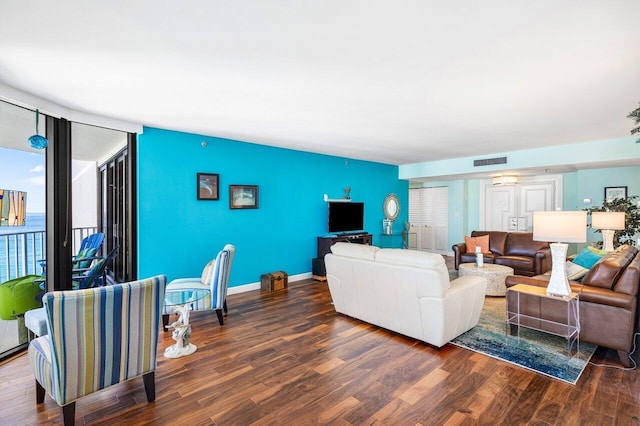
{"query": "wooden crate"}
[(274, 281)]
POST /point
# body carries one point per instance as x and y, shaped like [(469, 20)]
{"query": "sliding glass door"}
[(22, 222)]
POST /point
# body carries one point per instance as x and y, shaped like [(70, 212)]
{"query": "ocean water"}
[(21, 247)]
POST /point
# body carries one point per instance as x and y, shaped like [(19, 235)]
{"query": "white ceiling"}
[(89, 143), (394, 82)]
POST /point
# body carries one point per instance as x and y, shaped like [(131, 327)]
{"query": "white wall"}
[(84, 193)]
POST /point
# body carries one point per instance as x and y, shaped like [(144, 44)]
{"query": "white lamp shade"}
[(608, 220), (560, 226)]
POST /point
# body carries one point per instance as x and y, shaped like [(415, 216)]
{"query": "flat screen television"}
[(345, 216)]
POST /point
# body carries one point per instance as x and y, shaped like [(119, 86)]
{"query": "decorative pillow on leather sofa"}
[(472, 242), (587, 258), (574, 272)]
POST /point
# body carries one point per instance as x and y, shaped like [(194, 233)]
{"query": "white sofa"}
[(405, 291)]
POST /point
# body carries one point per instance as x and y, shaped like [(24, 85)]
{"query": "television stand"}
[(318, 270)]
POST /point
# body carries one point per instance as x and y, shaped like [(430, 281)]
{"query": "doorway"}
[(510, 207)]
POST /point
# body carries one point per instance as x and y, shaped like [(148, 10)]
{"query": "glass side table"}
[(180, 301), (570, 306)]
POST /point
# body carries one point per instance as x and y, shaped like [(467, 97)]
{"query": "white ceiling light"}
[(505, 180)]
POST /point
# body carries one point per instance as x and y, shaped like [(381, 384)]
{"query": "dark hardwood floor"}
[(286, 358)]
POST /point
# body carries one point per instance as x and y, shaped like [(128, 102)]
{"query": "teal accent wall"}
[(178, 234)]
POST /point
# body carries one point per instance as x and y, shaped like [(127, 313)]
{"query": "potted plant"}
[(635, 115)]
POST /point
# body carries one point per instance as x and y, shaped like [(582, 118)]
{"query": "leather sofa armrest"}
[(512, 280), (542, 261), (601, 296), (597, 295), (458, 249)]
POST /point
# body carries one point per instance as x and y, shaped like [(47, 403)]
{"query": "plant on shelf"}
[(635, 115), (629, 206)]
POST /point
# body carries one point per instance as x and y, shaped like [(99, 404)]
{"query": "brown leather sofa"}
[(608, 301), (514, 249)]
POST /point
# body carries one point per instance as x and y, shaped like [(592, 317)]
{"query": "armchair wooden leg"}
[(69, 414), (219, 314), (39, 393), (165, 322), (224, 306), (150, 385)]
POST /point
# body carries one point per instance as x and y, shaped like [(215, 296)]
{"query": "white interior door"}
[(510, 207), (533, 197), (501, 207)]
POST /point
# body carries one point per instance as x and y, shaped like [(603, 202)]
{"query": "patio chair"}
[(86, 253), (215, 279), (96, 276), (97, 338)]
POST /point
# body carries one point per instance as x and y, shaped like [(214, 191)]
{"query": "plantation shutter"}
[(429, 207)]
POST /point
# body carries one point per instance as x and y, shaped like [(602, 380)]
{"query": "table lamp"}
[(559, 227), (608, 223)]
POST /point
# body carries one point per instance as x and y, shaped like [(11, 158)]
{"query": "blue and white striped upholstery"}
[(215, 278), (97, 337)]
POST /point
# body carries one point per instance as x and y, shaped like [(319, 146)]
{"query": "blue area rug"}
[(541, 352)]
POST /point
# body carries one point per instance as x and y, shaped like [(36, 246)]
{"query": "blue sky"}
[(24, 171)]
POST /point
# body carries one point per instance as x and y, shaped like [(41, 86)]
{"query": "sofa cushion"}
[(628, 281), (471, 257), (587, 258), (520, 264), (522, 244), (608, 269), (358, 251), (497, 240), (472, 242)]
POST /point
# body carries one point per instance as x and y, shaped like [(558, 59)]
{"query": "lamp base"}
[(607, 239), (558, 283)]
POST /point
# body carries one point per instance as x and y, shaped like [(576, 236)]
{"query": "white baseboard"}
[(256, 286)]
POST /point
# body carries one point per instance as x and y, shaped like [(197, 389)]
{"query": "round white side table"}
[(495, 275)]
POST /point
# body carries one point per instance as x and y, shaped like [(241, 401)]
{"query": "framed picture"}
[(207, 186), (243, 196), (613, 192)]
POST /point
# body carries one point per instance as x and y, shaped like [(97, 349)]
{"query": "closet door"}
[(429, 216)]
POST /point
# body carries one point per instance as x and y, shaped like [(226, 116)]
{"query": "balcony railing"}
[(21, 252)]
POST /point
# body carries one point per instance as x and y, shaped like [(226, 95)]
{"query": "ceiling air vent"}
[(490, 161)]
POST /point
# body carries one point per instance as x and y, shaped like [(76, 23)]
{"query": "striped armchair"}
[(215, 279), (97, 337)]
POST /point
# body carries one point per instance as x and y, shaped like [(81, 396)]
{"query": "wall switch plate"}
[(586, 201)]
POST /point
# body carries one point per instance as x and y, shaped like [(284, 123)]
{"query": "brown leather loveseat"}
[(608, 301), (514, 249)]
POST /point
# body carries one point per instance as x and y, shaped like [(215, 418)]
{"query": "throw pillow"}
[(598, 251), (586, 258), (472, 242), (207, 273), (575, 272)]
